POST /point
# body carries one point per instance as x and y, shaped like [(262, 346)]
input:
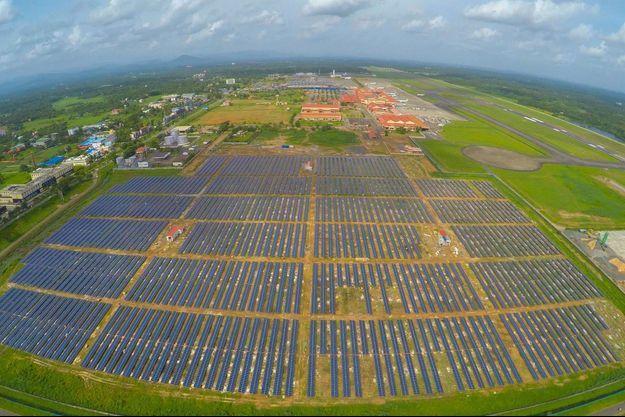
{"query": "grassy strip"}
[(21, 409), (61, 383), (26, 404)]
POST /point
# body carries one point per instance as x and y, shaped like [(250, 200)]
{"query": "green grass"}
[(10, 177), (59, 383), (69, 102), (546, 134), (70, 121), (461, 134), (21, 409), (572, 196), (476, 132), (295, 136), (333, 138), (449, 156)]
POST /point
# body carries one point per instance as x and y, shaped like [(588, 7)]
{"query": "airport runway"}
[(556, 155)]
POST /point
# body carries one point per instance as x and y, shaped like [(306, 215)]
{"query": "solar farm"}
[(309, 278)]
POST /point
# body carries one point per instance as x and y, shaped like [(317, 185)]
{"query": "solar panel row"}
[(294, 209), (422, 288), (147, 207), (234, 354), (132, 235), (95, 274), (221, 285), (405, 353), (48, 326)]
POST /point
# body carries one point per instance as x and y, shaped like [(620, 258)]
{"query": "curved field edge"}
[(62, 389), (52, 387)]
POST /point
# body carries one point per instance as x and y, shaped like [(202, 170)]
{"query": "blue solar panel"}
[(112, 234), (201, 351), (95, 274), (46, 325), (285, 240), (162, 185), (219, 285), (147, 207)]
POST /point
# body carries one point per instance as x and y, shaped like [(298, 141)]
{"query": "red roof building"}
[(174, 233), (349, 99), (396, 121), (325, 112)]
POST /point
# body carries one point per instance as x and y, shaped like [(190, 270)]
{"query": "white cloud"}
[(562, 58), (205, 33), (484, 33), (113, 11), (533, 13), (582, 32), (76, 36), (7, 13), (618, 36), (598, 51), (420, 25), (369, 22), (266, 17), (320, 26), (621, 60), (341, 8)]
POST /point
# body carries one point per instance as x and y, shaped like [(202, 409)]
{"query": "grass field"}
[(9, 176), (459, 135), (69, 102), (573, 196), (65, 390), (38, 124), (246, 111), (545, 134)]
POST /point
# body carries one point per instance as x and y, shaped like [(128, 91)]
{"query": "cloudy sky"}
[(576, 40)]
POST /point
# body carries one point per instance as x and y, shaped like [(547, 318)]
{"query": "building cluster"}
[(321, 112), (140, 133), (17, 195), (98, 144), (177, 137), (182, 103), (384, 108)]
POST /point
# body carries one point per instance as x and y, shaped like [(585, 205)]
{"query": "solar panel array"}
[(371, 210), (437, 288), (48, 326), (481, 211), (162, 185), (233, 354), (221, 285), (404, 355), (276, 240), (504, 241), (351, 237), (95, 274), (146, 207), (130, 235), (560, 341), (517, 284), (279, 208)]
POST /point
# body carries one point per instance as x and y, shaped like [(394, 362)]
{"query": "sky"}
[(581, 41)]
